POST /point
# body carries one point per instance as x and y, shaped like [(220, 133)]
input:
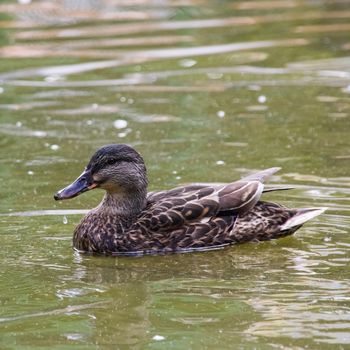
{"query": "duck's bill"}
[(82, 184)]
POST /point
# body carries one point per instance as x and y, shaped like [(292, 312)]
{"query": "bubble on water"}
[(54, 147), (95, 105), (262, 99), (178, 177), (327, 239), (120, 124), (18, 124), (89, 122), (65, 220), (158, 337), (220, 162), (1, 89), (187, 63), (220, 114), (174, 172), (130, 101), (123, 99), (30, 172)]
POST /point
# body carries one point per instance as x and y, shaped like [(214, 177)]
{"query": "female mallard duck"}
[(131, 221)]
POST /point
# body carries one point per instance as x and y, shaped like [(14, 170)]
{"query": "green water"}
[(210, 91)]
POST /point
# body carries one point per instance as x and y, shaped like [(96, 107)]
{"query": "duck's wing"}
[(159, 195), (262, 175), (200, 205), (191, 189), (273, 189), (197, 218), (175, 192), (171, 209)]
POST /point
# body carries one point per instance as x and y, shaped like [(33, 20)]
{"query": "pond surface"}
[(207, 91)]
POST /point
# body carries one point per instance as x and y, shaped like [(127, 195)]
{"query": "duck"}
[(196, 217)]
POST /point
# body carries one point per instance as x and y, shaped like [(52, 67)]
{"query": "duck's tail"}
[(301, 216), (270, 221)]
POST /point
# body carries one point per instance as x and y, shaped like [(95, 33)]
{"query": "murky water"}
[(207, 91)]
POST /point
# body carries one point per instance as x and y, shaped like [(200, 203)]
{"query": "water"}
[(207, 91)]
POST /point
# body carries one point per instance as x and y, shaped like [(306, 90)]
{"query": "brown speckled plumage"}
[(196, 217)]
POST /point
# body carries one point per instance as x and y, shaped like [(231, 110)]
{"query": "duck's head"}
[(116, 168)]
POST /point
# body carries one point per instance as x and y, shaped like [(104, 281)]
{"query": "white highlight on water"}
[(120, 124), (220, 114), (262, 99), (187, 63), (54, 147), (158, 337)]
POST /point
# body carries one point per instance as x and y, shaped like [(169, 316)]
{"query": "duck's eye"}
[(111, 161)]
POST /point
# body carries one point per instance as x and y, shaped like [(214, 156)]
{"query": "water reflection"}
[(217, 284), (138, 57)]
